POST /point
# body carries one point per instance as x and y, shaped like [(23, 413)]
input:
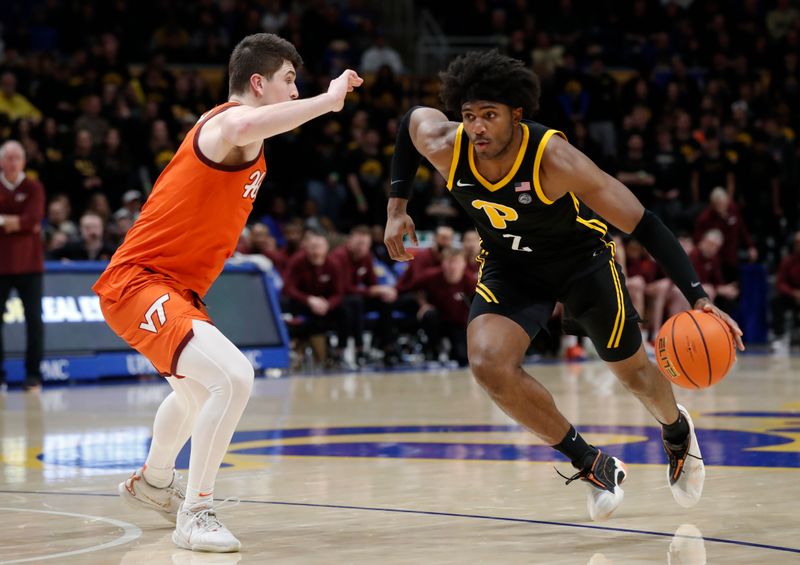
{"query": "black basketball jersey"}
[(513, 216)]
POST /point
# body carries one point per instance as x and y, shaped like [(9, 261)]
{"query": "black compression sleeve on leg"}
[(668, 253), (405, 160)]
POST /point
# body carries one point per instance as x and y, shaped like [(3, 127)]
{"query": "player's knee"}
[(492, 370), (242, 375), (239, 376)]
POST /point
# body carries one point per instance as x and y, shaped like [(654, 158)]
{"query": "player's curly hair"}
[(489, 75), (261, 53)]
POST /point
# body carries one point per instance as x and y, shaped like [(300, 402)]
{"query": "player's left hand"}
[(704, 305)]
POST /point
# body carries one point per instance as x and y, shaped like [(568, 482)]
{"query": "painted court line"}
[(445, 514), (129, 533)]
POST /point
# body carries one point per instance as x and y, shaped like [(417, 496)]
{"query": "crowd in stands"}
[(694, 105)]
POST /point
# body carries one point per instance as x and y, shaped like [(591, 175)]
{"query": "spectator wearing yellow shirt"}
[(14, 104)]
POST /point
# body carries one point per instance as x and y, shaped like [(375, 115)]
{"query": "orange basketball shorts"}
[(154, 316)]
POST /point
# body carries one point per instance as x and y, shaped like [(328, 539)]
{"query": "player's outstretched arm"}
[(565, 168), (423, 132), (243, 125)]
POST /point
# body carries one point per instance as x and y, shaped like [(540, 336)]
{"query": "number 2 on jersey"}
[(515, 243)]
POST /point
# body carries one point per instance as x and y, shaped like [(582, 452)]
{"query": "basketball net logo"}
[(156, 308), (251, 189)]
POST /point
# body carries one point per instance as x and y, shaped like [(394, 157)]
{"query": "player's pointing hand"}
[(341, 85)]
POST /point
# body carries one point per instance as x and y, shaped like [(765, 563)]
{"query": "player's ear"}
[(257, 83), (516, 115)]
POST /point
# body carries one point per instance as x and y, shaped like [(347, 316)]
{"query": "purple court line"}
[(454, 515)]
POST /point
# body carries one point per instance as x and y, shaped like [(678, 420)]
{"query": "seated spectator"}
[(787, 297), (722, 214), (428, 257), (262, 241), (471, 243), (364, 294), (14, 104), (641, 272), (425, 259), (132, 203), (443, 309), (379, 54), (315, 288), (57, 220), (636, 172), (708, 265), (92, 245)]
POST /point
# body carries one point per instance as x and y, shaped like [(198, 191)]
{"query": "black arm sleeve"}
[(668, 253), (405, 160)]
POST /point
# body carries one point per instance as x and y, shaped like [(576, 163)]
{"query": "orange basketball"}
[(695, 349)]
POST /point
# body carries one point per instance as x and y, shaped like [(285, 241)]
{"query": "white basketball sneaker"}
[(603, 479), (137, 492), (199, 529), (686, 473)]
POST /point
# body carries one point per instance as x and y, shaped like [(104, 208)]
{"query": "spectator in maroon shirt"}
[(21, 255), (708, 265), (787, 284), (427, 258), (471, 244), (315, 288), (724, 215), (640, 271), (424, 260), (364, 294), (263, 242), (443, 309)]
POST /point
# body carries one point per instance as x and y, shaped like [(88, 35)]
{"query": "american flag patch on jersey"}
[(522, 186)]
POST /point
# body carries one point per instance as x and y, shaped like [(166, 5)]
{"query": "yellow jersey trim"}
[(456, 154), (483, 295), (538, 162), (510, 175), (619, 321), (593, 224), (485, 289), (481, 259)]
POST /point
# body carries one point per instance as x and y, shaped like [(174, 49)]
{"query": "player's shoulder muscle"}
[(433, 134)]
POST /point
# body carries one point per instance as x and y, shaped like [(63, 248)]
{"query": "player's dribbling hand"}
[(341, 85), (396, 227), (704, 305)]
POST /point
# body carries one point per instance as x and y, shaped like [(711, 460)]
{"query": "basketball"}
[(695, 349)]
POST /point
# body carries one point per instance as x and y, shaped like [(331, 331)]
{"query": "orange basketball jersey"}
[(191, 222)]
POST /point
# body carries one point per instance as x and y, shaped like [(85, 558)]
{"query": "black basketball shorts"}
[(591, 287)]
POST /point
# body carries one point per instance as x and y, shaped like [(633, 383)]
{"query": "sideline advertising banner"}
[(79, 345)]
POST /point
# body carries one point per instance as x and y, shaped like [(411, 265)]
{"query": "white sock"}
[(157, 477), (196, 498)]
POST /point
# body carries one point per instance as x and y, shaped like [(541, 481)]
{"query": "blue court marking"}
[(736, 448), (457, 515), (753, 414)]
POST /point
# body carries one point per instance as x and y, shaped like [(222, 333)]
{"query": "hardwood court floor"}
[(411, 468)]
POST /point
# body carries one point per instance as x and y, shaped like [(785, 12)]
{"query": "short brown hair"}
[(260, 53)]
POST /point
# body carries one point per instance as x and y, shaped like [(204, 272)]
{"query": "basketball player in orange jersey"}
[(538, 204), (150, 293)]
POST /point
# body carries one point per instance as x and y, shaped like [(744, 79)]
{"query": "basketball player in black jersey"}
[(541, 206)]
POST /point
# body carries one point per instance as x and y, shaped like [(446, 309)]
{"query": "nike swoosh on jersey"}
[(459, 183)]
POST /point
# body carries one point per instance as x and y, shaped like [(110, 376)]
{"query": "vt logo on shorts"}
[(156, 308)]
